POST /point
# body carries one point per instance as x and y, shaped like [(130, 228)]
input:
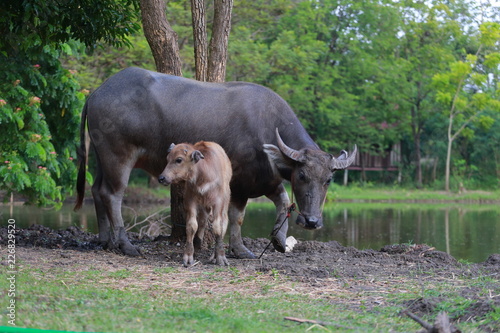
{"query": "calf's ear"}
[(196, 156), (172, 145)]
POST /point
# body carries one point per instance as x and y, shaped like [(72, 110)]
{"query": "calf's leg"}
[(203, 219), (219, 228), (191, 228)]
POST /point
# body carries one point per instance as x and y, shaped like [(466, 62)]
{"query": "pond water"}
[(469, 232)]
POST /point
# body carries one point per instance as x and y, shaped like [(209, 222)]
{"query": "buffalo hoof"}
[(279, 242), (125, 246), (130, 250), (242, 252)]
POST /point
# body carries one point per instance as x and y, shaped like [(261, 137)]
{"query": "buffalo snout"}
[(309, 222), (163, 180)]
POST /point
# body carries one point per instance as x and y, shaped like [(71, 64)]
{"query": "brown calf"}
[(206, 171)]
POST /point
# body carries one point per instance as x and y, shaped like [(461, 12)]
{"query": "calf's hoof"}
[(188, 260), (218, 259)]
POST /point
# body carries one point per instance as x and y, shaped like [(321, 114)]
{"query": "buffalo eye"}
[(302, 175), (328, 181), (178, 160)]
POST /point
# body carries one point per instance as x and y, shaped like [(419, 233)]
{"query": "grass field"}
[(366, 193), (105, 292)]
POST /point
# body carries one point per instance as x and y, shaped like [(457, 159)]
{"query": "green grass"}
[(371, 193), (367, 193), (102, 301)]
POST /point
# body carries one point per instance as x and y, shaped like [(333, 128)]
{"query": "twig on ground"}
[(148, 226), (441, 325), (316, 322)]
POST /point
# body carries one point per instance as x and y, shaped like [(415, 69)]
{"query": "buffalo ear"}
[(196, 156), (279, 161)]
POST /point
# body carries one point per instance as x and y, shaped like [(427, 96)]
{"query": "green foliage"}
[(40, 100), (332, 69), (39, 24), (370, 73), (94, 68), (38, 121), (465, 91)]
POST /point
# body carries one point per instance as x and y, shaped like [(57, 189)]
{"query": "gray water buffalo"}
[(205, 170), (135, 115)]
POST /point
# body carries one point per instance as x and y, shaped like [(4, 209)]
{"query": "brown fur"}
[(206, 172)]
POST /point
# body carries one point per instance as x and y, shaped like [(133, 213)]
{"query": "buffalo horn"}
[(290, 152), (344, 160)]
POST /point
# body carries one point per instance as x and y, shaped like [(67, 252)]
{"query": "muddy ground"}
[(317, 265)]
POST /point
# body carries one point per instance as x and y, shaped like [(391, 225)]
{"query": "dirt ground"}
[(311, 263)]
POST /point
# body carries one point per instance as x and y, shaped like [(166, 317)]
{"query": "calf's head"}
[(181, 160), (310, 172)]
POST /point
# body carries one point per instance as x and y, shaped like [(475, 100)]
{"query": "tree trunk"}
[(451, 138), (200, 39), (177, 214), (434, 169), (219, 41), (448, 165), (416, 129), (362, 162), (418, 158), (161, 37), (210, 67), (163, 42)]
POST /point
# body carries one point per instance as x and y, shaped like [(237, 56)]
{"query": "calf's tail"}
[(82, 159)]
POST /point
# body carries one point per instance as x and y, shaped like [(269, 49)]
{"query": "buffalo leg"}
[(100, 209), (281, 201), (236, 215), (191, 228), (112, 202), (110, 190)]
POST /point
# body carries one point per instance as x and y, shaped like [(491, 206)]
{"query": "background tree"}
[(425, 48), (161, 37), (40, 101), (353, 72), (211, 59), (200, 39), (467, 91), (219, 41)]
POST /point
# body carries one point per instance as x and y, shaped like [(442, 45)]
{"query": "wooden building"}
[(390, 160)]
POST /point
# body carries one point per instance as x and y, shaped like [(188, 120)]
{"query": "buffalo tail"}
[(82, 159)]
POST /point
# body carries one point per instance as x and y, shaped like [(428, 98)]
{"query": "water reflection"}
[(469, 232), (466, 232)]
